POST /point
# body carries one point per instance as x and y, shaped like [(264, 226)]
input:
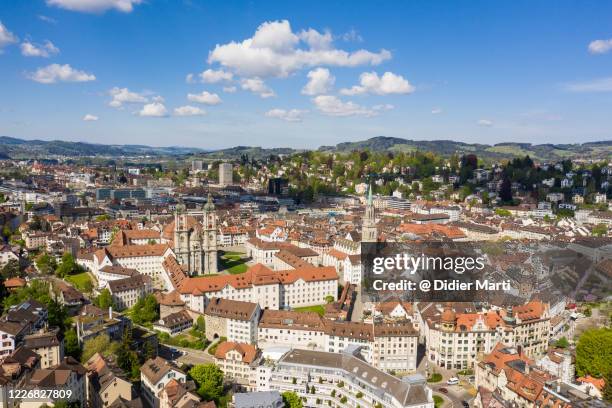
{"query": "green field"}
[(79, 281), (320, 309), (233, 262)]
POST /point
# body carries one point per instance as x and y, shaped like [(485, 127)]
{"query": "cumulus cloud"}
[(6, 37), (90, 118), (595, 85), (205, 98), (211, 76), (188, 110), (485, 123), (352, 35), (333, 106), (229, 89), (95, 6), (388, 83), (45, 50), (257, 86), (121, 96), (276, 51), (600, 46), (189, 79), (60, 73), (320, 81), (153, 110), (292, 115)]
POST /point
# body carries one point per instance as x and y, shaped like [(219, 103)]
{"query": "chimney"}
[(110, 312)]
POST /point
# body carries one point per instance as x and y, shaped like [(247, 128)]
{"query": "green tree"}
[(46, 263), (201, 324), (562, 343), (104, 299), (146, 310), (11, 269), (292, 400), (209, 379), (71, 344), (67, 266), (594, 352)]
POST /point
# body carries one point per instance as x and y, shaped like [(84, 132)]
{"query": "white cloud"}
[(316, 40), (352, 35), (436, 111), (211, 76), (124, 95), (206, 98), (383, 107), (388, 83), (153, 110), (595, 85), (257, 86), (600, 46), (189, 79), (229, 89), (6, 37), (29, 49), (292, 115), (60, 73), (47, 19), (332, 106), (485, 123), (320, 81), (275, 51), (188, 110), (95, 6), (90, 118)]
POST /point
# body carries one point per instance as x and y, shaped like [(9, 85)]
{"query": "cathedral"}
[(369, 232), (195, 241)]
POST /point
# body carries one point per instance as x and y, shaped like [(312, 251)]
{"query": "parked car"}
[(452, 381), (443, 390)]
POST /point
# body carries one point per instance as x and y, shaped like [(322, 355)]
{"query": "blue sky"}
[(305, 73)]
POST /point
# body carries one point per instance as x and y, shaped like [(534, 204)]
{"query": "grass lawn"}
[(320, 309), (233, 263), (438, 401), (79, 281)]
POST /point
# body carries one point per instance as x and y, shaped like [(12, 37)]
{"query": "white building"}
[(225, 174)]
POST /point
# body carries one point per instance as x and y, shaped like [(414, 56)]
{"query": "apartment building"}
[(339, 379), (146, 259), (155, 374), (47, 345), (174, 323), (105, 382), (455, 333), (239, 362), (127, 291), (235, 320), (270, 289)]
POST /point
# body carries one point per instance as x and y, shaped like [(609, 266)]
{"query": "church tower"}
[(181, 236), (209, 247), (369, 233)]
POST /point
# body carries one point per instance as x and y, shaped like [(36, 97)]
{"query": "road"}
[(189, 356)]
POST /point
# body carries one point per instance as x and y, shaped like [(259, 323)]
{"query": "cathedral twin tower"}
[(195, 243)]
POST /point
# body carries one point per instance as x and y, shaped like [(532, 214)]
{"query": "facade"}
[(174, 323), (369, 232), (226, 174), (454, 339), (155, 374), (48, 346), (195, 243), (127, 291), (239, 362), (340, 380), (235, 320), (270, 289), (105, 382)]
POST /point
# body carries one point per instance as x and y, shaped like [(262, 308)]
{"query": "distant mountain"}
[(28, 149), (548, 152), (15, 148)]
